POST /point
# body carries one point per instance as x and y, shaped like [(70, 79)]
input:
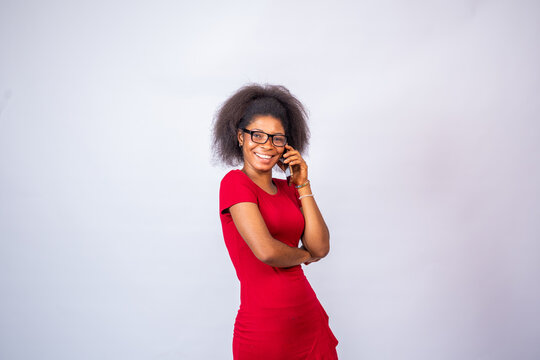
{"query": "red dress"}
[(280, 316)]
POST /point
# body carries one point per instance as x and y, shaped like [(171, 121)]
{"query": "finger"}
[(293, 157), (290, 153), (295, 162)]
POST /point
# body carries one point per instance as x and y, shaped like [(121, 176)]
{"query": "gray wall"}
[(424, 159)]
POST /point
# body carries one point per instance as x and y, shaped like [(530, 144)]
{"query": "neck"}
[(263, 179)]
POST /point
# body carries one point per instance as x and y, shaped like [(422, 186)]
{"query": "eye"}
[(280, 140), (258, 136)]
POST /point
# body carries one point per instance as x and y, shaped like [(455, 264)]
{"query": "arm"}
[(250, 224), (316, 238)]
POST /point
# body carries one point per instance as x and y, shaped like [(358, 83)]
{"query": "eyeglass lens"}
[(261, 138)]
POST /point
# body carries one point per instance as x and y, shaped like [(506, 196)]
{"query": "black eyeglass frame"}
[(268, 136)]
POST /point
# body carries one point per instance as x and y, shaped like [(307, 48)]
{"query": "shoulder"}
[(236, 180), (284, 186), (236, 187), (288, 190), (234, 177), (282, 183)]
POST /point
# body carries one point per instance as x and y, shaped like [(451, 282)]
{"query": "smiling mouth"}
[(262, 156)]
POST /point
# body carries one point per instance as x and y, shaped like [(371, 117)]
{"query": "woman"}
[(263, 220)]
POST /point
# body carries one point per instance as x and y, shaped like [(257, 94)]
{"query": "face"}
[(261, 157)]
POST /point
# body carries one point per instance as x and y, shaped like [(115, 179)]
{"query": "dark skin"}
[(259, 159)]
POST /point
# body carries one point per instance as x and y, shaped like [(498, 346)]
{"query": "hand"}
[(299, 169), (312, 259)]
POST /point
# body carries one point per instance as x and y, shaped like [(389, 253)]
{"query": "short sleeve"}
[(235, 188)]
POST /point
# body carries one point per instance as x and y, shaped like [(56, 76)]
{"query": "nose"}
[(268, 144)]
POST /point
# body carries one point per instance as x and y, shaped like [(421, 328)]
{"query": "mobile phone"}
[(286, 168)]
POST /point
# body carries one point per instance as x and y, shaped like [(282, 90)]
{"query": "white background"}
[(425, 160)]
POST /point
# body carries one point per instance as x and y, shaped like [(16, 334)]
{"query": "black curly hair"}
[(252, 100)]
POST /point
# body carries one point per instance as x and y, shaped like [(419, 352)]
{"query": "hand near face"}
[(299, 169)]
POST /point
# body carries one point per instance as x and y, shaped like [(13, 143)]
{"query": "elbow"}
[(267, 256), (323, 247), (321, 252)]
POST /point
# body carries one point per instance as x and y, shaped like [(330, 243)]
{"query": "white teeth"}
[(263, 156)]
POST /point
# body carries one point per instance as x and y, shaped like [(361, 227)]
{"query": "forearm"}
[(250, 224), (316, 236), (283, 255)]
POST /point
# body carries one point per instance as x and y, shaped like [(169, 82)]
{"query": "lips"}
[(263, 156)]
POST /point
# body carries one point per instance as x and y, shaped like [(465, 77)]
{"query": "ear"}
[(240, 136)]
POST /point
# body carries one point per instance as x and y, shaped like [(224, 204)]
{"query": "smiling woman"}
[(259, 153), (263, 221)]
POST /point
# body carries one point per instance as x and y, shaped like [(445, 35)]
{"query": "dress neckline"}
[(260, 188)]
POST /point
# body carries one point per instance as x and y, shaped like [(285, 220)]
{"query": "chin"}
[(263, 167)]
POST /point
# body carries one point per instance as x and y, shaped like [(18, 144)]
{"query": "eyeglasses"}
[(260, 137)]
